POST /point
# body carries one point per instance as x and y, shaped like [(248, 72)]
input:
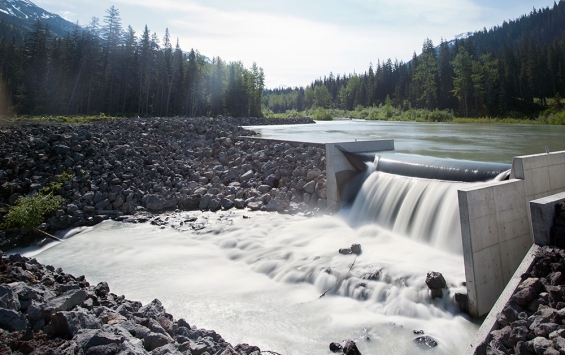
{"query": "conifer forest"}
[(509, 70), (106, 69)]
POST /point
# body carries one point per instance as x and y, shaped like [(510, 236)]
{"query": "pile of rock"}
[(46, 311), (156, 164), (532, 322)]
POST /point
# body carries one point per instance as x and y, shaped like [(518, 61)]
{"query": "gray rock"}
[(66, 302), (157, 203), (154, 309), (131, 347), (109, 349), (12, 320), (205, 201), (435, 280), (9, 298), (310, 187), (169, 349), (525, 296), (541, 344), (239, 203), (519, 334), (214, 205), (312, 174), (523, 348), (544, 329), (350, 348), (61, 149), (246, 176), (24, 291), (67, 324), (226, 203), (87, 338), (559, 343), (503, 336), (102, 289), (153, 341)]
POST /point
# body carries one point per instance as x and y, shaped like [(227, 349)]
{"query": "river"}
[(482, 142)]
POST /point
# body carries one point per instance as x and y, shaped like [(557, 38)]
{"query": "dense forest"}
[(105, 69), (507, 71)]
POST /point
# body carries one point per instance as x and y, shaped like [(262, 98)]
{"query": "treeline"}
[(106, 69), (506, 71)]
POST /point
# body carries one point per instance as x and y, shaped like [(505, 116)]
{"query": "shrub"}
[(31, 211), (322, 115)]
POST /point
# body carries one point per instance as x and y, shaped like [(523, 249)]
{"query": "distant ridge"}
[(24, 13)]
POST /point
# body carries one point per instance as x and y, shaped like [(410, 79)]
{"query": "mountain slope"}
[(24, 13)]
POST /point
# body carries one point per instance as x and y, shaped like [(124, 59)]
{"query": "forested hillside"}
[(106, 69), (507, 71)]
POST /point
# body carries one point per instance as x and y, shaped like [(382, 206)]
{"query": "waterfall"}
[(398, 194)]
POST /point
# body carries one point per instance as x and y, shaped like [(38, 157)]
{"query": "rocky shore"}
[(137, 165), (44, 311)]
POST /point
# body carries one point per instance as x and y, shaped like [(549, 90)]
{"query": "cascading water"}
[(421, 209), (415, 206), (258, 280)]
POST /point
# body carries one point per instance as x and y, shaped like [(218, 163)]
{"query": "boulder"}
[(153, 341), (9, 298), (312, 174), (66, 302), (67, 324), (102, 289), (12, 320), (350, 348), (435, 282), (336, 348), (87, 338)]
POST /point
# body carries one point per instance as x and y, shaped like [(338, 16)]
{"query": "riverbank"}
[(44, 310), (138, 165), (555, 116)]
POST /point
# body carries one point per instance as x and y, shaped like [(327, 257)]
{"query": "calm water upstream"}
[(483, 142), (258, 280)]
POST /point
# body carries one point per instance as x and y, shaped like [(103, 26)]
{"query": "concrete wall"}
[(339, 170), (496, 227), (496, 236), (483, 336), (543, 213)]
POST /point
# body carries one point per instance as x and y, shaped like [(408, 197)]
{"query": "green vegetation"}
[(388, 112), (505, 74), (31, 211), (322, 115), (106, 68)]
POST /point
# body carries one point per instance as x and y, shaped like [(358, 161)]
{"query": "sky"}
[(298, 41)]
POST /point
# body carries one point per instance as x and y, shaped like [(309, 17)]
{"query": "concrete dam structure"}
[(494, 222)]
